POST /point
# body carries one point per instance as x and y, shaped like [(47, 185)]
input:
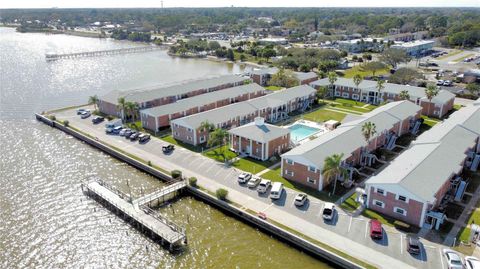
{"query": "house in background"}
[(260, 140), (304, 164), (416, 186), (263, 76), (367, 92)]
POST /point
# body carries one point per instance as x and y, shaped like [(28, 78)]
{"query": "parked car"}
[(300, 199), (413, 244), (253, 182), (134, 136), (81, 110), (453, 259), (277, 190), (376, 230), (472, 262), (168, 149), (128, 133), (97, 119), (440, 82), (124, 131), (263, 186), (114, 123), (328, 211), (447, 83), (85, 114), (143, 138), (244, 177)]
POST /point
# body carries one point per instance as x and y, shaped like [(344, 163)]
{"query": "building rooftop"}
[(203, 99), (412, 44), (348, 137), (259, 131), (158, 92), (305, 75)]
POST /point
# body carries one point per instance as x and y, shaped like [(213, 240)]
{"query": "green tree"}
[(473, 88), (430, 92), (122, 106), (230, 55), (213, 45), (394, 56), (369, 129), (283, 78), (332, 78), (333, 169), (132, 110), (268, 53), (206, 126), (218, 137), (380, 86), (404, 76), (221, 194), (93, 100), (374, 67), (322, 92), (404, 95), (357, 79)]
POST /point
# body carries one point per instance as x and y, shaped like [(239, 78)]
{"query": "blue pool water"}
[(300, 131)]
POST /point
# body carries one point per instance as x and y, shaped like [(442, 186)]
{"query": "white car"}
[(253, 182), (85, 114), (244, 177), (123, 131), (263, 186), (276, 191), (472, 262), (328, 211), (300, 199), (453, 259), (440, 82)]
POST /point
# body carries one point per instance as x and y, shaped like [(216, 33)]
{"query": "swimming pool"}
[(299, 131)]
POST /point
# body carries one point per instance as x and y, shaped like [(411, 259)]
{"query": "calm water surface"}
[(46, 221)]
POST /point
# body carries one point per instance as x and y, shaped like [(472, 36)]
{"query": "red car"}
[(376, 231)]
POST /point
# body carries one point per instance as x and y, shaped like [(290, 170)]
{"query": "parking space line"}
[(441, 258), (366, 229), (350, 224), (266, 208), (320, 211), (401, 243)]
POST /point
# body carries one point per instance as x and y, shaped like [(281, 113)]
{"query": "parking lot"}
[(343, 224)]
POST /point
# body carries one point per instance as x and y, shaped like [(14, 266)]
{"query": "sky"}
[(237, 3)]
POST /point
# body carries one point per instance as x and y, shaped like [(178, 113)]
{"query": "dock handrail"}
[(163, 191)]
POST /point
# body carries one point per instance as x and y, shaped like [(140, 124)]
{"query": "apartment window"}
[(380, 191), (345, 95), (289, 173), (399, 210), (402, 198), (311, 169), (337, 93), (379, 203), (190, 130), (176, 133), (202, 139), (289, 161), (311, 181), (355, 96)]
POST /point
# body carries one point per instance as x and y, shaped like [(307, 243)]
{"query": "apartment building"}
[(304, 164), (159, 117), (367, 92), (416, 186), (263, 76)]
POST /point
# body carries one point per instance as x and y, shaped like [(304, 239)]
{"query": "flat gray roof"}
[(263, 133), (158, 92), (238, 110), (202, 99), (305, 75)]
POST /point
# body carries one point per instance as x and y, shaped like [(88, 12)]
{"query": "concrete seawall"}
[(252, 220)]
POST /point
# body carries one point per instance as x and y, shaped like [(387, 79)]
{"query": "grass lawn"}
[(457, 107), (273, 88), (349, 73), (464, 233), (348, 108), (171, 140), (452, 53), (322, 115), (220, 154), (274, 175), (350, 204), (464, 57), (251, 165), (430, 121)]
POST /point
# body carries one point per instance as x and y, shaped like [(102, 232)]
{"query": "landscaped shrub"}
[(221, 194), (66, 123), (52, 117), (110, 117), (176, 174), (149, 163), (192, 181)]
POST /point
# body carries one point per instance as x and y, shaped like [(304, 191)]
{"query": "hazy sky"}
[(239, 3)]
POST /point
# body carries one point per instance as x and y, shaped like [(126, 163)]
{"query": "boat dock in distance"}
[(53, 57), (143, 217)]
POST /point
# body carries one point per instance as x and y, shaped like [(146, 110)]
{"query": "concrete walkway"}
[(268, 169)]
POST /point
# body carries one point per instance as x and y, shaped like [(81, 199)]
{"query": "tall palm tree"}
[(219, 136), (93, 100), (430, 92), (369, 130), (122, 106), (357, 79), (404, 95), (206, 126), (380, 87), (322, 92), (131, 109), (332, 77), (332, 169)]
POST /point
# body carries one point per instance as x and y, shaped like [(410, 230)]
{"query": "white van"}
[(276, 192)]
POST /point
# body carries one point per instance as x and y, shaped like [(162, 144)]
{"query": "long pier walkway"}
[(52, 57), (146, 219), (160, 195)]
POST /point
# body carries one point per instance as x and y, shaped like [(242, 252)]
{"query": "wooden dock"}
[(158, 197), (146, 219), (53, 57)]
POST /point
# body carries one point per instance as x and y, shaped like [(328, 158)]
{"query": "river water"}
[(46, 221)]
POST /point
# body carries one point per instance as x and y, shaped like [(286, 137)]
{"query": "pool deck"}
[(311, 124)]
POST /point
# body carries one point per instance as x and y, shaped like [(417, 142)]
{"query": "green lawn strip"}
[(464, 233), (351, 110), (171, 140), (463, 57), (350, 204), (452, 53), (273, 88), (430, 121), (350, 73), (322, 115), (457, 107), (220, 154), (251, 165)]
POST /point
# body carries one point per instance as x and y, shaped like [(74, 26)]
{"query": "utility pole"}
[(161, 4)]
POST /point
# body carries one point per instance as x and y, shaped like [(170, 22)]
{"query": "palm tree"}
[(357, 79), (380, 87), (322, 92), (131, 109), (404, 95), (122, 106), (332, 169), (93, 100), (219, 136), (332, 77), (206, 126), (368, 130), (430, 92)]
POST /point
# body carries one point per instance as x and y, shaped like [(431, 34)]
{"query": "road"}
[(346, 233)]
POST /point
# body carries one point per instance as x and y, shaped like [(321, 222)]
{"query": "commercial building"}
[(263, 76), (361, 45), (304, 164), (415, 48), (260, 140), (159, 117), (157, 96), (416, 186), (272, 107), (367, 92)]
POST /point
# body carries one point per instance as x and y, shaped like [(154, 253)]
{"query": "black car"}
[(143, 138), (413, 244), (134, 136), (168, 149), (97, 119)]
